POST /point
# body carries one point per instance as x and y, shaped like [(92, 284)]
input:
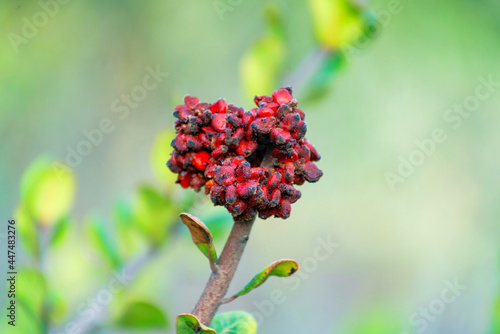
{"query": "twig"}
[(218, 283), (131, 268), (304, 72)]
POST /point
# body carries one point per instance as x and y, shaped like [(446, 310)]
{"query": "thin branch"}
[(305, 71), (229, 299), (218, 282), (213, 265)]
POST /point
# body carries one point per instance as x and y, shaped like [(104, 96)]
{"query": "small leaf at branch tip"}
[(201, 236), (189, 324), (199, 231), (281, 268)]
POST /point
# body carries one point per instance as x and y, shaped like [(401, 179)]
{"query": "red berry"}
[(219, 107), (284, 209), (239, 206), (275, 198), (246, 148), (184, 179), (265, 112), (280, 136), (263, 125), (201, 160), (247, 189), (300, 130), (219, 122), (218, 194), (243, 173), (225, 176), (290, 121), (231, 194), (191, 101), (311, 172), (282, 96), (315, 156), (274, 181), (257, 173)]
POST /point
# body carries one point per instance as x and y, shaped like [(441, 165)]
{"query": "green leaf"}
[(189, 324), (128, 231), (143, 315), (160, 153), (237, 322), (32, 291), (282, 268), (337, 22), (262, 64), (47, 191), (60, 231), (155, 214), (26, 322), (27, 231), (102, 240), (56, 307), (320, 83), (201, 236)]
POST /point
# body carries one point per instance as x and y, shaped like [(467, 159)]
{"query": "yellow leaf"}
[(336, 22), (262, 65), (47, 191)]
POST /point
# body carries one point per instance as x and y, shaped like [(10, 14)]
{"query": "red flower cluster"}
[(247, 160)]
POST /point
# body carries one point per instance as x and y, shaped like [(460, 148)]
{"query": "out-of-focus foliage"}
[(60, 231), (154, 213), (47, 191), (32, 296), (157, 156), (142, 315), (102, 241), (139, 227), (237, 322), (27, 231), (262, 65), (338, 22), (321, 81)]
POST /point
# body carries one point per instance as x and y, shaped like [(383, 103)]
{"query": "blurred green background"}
[(397, 248)]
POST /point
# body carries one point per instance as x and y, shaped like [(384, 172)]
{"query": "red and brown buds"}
[(248, 161)]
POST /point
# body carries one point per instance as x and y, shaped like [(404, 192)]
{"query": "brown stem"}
[(219, 281)]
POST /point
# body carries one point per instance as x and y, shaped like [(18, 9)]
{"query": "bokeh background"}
[(398, 247)]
